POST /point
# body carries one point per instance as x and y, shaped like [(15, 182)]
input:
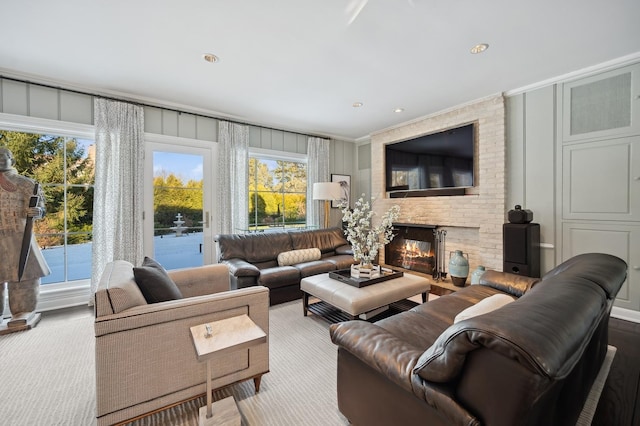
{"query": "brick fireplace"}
[(473, 221)]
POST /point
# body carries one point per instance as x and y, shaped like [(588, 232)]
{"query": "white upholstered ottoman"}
[(361, 300)]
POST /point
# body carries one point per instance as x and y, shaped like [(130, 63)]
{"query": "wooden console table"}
[(212, 340), (439, 288)]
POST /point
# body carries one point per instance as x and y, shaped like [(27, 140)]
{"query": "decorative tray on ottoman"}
[(344, 275)]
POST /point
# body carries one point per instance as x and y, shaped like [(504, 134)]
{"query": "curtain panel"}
[(232, 192), (317, 171), (119, 184)]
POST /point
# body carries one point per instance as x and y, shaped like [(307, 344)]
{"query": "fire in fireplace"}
[(412, 248)]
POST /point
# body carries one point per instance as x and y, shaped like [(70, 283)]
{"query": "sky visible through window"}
[(175, 252), (184, 166)]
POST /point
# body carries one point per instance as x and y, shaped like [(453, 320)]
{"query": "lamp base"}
[(326, 213)]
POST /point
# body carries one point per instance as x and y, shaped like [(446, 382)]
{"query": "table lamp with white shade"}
[(326, 191)]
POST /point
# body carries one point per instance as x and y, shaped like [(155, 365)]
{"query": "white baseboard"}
[(52, 299), (625, 314)]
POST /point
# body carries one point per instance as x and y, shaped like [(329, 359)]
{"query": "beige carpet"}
[(591, 404), (47, 376)]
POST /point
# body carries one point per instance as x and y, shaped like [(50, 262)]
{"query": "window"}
[(277, 192), (64, 167)]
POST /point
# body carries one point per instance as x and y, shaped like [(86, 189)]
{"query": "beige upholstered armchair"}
[(145, 359)]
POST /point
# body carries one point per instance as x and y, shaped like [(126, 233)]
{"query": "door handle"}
[(206, 219)]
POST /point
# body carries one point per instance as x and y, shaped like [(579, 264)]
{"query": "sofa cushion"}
[(293, 257), (154, 282), (265, 246), (280, 276), (341, 261), (484, 306), (345, 249), (428, 321), (314, 268), (325, 239)]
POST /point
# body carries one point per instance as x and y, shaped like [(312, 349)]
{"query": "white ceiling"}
[(299, 65)]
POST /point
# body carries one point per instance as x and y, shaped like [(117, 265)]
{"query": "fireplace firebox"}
[(414, 248)]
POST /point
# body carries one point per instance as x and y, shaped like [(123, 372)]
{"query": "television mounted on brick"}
[(440, 163)]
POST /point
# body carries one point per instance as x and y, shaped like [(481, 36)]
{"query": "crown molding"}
[(574, 75), (433, 115)]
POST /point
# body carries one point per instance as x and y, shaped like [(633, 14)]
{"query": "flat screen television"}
[(431, 164)]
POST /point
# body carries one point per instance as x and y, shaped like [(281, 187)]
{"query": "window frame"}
[(274, 155), (18, 123)]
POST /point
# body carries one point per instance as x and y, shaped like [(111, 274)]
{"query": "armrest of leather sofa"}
[(241, 268), (392, 357), (516, 285), (202, 280)]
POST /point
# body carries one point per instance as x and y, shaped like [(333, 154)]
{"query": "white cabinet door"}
[(601, 180), (618, 240)]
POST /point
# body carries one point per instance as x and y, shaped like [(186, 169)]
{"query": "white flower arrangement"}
[(366, 239)]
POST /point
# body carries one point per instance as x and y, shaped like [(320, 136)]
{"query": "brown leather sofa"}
[(530, 362), (253, 259)]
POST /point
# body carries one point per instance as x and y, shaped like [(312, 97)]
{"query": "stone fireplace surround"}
[(473, 221)]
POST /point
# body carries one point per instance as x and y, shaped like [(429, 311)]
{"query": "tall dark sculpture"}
[(21, 262)]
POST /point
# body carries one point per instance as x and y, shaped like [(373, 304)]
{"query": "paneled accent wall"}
[(42, 102), (342, 160), (363, 181), (599, 171), (473, 221), (530, 160), (573, 159), (33, 100)]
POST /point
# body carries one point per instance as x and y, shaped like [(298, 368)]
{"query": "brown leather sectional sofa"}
[(253, 259), (530, 362)]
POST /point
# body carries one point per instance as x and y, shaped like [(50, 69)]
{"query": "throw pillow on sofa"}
[(154, 282), (294, 257), (484, 306)]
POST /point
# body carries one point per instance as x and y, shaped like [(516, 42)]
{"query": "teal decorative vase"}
[(458, 268), (477, 274)]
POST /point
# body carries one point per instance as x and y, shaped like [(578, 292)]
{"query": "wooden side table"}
[(217, 338)]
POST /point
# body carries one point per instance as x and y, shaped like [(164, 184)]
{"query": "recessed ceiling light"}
[(398, 110), (210, 57), (357, 104), (479, 48)]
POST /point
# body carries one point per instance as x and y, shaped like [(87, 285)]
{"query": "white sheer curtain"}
[(118, 196), (317, 171), (233, 159)]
